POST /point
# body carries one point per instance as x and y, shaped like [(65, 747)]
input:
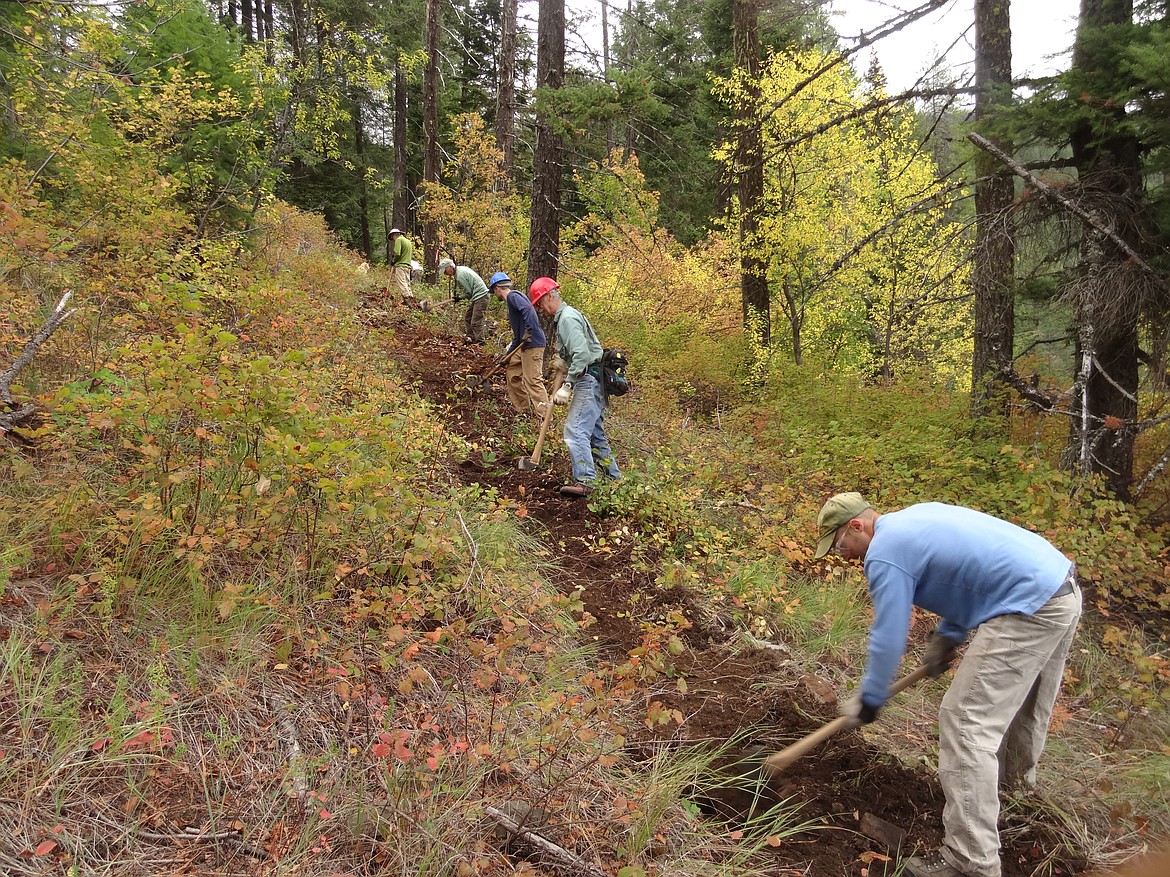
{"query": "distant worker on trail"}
[(525, 384), (578, 346), (1019, 594), (402, 254), (470, 286)]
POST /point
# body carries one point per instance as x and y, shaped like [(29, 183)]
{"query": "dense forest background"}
[(880, 234), (268, 597)]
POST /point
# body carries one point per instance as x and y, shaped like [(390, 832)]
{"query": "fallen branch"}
[(232, 836), (11, 419), (58, 316), (557, 854), (288, 730)]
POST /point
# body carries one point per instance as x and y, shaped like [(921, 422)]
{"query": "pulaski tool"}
[(475, 383), (533, 462), (778, 761)]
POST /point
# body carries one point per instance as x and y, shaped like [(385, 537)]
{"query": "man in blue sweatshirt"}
[(1020, 596), (525, 381)]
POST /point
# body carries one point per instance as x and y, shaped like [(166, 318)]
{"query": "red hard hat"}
[(541, 287)]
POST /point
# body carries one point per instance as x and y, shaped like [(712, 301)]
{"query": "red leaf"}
[(45, 847)]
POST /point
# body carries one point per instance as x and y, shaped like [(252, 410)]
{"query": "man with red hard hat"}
[(582, 390)]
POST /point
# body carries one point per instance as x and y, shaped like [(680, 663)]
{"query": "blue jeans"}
[(585, 432)]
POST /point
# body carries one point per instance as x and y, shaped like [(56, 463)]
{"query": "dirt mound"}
[(855, 798)]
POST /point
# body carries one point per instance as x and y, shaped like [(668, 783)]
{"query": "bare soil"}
[(730, 693)]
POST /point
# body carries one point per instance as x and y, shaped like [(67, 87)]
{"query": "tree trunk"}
[(749, 166), (609, 142), (544, 241), (401, 184), (1109, 297), (359, 148), (296, 31), (506, 91), (993, 275), (269, 28), (246, 19), (430, 229)]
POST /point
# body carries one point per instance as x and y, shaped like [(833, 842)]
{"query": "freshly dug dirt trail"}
[(843, 790)]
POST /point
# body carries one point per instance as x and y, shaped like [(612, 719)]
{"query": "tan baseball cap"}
[(835, 513)]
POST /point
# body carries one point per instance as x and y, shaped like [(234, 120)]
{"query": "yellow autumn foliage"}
[(866, 267)]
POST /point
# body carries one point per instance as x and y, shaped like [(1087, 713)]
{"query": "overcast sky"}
[(1042, 34)]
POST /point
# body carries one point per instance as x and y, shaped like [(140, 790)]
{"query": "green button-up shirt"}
[(577, 343), (470, 285)]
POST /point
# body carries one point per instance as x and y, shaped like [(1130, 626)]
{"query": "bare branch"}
[(1089, 217), (58, 316)]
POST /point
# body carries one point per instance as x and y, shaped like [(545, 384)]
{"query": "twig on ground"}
[(557, 854)]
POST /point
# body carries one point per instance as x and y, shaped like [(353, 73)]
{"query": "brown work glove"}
[(939, 654)]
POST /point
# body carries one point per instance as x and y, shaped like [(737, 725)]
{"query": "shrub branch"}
[(10, 419)]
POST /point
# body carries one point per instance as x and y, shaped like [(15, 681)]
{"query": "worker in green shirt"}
[(402, 255), (470, 286)]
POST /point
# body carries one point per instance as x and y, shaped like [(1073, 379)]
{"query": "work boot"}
[(931, 865), (577, 488)]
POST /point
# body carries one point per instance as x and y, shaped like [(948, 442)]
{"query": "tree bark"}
[(544, 241), (993, 276), (246, 20), (609, 141), (269, 28), (359, 148), (1107, 158), (749, 166), (506, 90), (430, 229), (401, 185)]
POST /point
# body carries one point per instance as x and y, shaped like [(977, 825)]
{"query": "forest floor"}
[(850, 791)]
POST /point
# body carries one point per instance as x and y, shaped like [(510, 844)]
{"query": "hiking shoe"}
[(576, 489), (931, 865)]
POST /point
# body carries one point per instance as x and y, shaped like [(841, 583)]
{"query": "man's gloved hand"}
[(860, 713), (564, 394), (939, 654)]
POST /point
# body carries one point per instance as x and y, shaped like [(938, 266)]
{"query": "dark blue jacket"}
[(526, 331)]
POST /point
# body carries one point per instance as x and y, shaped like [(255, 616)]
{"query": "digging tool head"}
[(525, 464)]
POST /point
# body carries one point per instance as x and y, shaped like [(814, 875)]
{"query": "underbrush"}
[(250, 617)]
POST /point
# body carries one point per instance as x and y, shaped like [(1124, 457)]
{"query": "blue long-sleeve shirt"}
[(963, 565), (526, 331)]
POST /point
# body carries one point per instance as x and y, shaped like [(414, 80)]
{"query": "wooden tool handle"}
[(548, 409), (777, 761)]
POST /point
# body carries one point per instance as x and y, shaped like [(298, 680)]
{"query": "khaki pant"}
[(525, 384), (993, 723), (402, 281)]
